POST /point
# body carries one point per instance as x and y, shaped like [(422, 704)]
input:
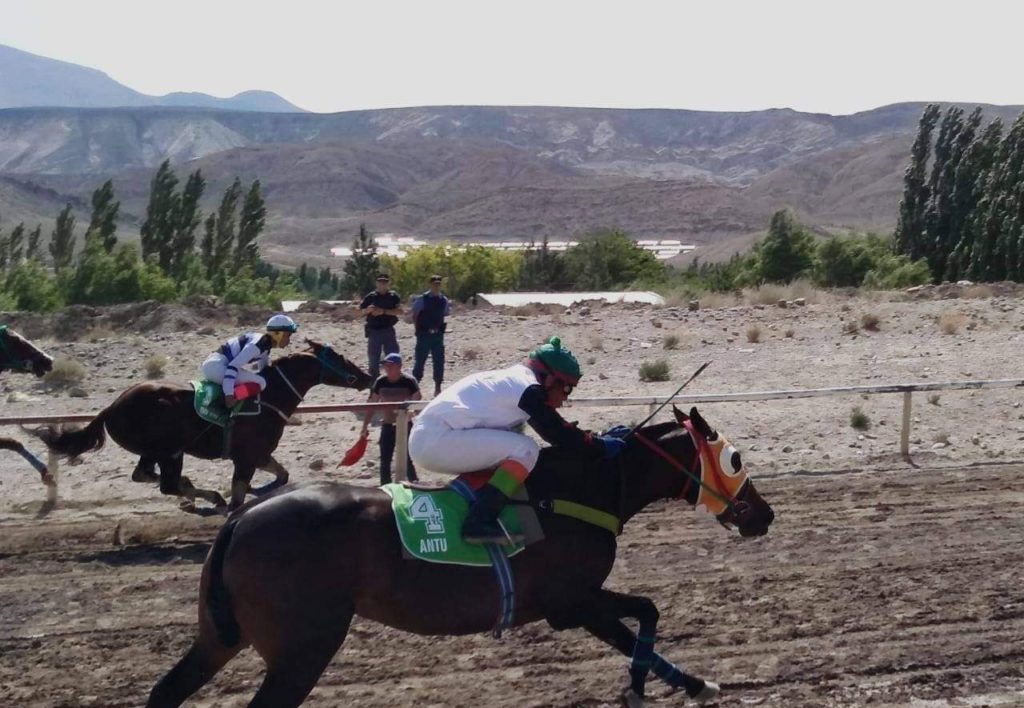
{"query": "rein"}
[(700, 444)]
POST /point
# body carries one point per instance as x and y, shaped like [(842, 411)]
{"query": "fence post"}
[(905, 430), (400, 464)]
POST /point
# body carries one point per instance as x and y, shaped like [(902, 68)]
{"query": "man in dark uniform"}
[(394, 386), (429, 311), (382, 308)]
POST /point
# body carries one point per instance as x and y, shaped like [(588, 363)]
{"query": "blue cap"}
[(392, 358)]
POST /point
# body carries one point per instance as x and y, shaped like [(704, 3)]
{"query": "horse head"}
[(336, 370), (19, 354), (695, 462)]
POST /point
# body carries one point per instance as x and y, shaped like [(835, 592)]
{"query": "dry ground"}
[(881, 583)]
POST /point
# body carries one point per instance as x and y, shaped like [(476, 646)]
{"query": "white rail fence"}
[(651, 402)]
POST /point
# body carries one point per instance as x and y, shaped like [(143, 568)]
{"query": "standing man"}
[(382, 307), (428, 312), (394, 386)]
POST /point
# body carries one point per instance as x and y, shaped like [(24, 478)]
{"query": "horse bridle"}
[(325, 363), (9, 361)]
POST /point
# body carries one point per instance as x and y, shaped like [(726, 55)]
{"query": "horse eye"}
[(737, 464)]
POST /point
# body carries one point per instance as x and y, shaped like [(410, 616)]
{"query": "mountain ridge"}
[(31, 80)]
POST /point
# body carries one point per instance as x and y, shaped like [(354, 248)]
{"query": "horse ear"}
[(680, 416), (700, 424), (315, 346)]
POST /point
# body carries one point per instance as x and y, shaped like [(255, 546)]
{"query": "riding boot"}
[(481, 525)]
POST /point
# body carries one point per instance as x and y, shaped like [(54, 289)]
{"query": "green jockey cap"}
[(557, 361)]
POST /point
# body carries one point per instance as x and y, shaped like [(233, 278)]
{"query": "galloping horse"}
[(17, 354), (287, 572), (157, 421)]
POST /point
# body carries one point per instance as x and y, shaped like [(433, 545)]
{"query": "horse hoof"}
[(708, 693), (631, 700), (49, 480), (187, 505)]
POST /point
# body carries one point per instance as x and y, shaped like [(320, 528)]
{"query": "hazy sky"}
[(833, 57)]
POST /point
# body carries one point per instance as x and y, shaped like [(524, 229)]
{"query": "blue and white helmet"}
[(281, 323)]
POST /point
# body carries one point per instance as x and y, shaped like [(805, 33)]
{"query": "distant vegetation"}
[(962, 216)]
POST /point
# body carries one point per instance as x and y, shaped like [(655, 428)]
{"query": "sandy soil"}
[(881, 583)]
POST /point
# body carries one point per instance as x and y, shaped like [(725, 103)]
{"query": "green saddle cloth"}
[(430, 525), (209, 403)]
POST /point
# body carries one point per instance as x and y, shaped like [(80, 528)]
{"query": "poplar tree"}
[(186, 221), (62, 240), (968, 191), (34, 238), (250, 225), (910, 228), (161, 217), (104, 216)]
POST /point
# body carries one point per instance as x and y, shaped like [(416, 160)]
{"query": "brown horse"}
[(158, 422), (19, 355), (287, 573)]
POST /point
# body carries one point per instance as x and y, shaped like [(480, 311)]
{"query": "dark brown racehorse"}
[(287, 573), (158, 422), (19, 355)]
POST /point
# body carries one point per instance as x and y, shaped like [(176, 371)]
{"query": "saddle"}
[(208, 401)]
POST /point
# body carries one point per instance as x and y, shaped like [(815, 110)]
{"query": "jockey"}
[(470, 427), (226, 365)]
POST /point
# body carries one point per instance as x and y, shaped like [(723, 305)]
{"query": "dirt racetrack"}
[(880, 583), (894, 587)]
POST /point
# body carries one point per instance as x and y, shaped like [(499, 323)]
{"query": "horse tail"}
[(71, 442), (218, 599)]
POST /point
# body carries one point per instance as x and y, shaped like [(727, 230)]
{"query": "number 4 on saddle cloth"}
[(430, 523)]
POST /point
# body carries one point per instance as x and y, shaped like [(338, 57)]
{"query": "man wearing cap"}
[(394, 386), (382, 307), (429, 311)]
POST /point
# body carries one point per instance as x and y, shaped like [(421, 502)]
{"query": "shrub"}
[(657, 370), (470, 354), (671, 341), (951, 322), (753, 334), (155, 366), (790, 333), (65, 373), (942, 438), (859, 419), (597, 343), (851, 327), (933, 398), (869, 321)]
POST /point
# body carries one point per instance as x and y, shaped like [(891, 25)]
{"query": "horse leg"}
[(613, 632), (280, 477), (240, 483), (601, 615), (172, 482), (145, 471), (298, 659), (201, 662)]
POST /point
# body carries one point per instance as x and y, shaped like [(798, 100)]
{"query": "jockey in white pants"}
[(469, 427), (226, 366)]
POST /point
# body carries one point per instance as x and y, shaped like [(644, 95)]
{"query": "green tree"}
[(968, 190), (224, 237), (786, 252), (910, 227), (955, 135), (104, 215), (361, 268), (610, 259), (16, 244), (5, 252), (250, 226), (32, 288), (34, 237), (62, 240), (186, 222), (161, 217), (542, 269), (995, 242), (209, 239)]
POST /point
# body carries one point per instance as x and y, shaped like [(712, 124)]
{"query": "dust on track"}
[(896, 586)]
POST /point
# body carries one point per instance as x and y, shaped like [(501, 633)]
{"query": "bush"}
[(753, 334), (657, 370), (790, 333), (859, 419), (851, 327), (65, 373), (671, 341), (470, 354), (951, 322), (155, 366), (933, 398), (869, 321), (31, 288), (606, 260)]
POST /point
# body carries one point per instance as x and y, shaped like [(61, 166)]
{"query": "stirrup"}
[(495, 534)]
